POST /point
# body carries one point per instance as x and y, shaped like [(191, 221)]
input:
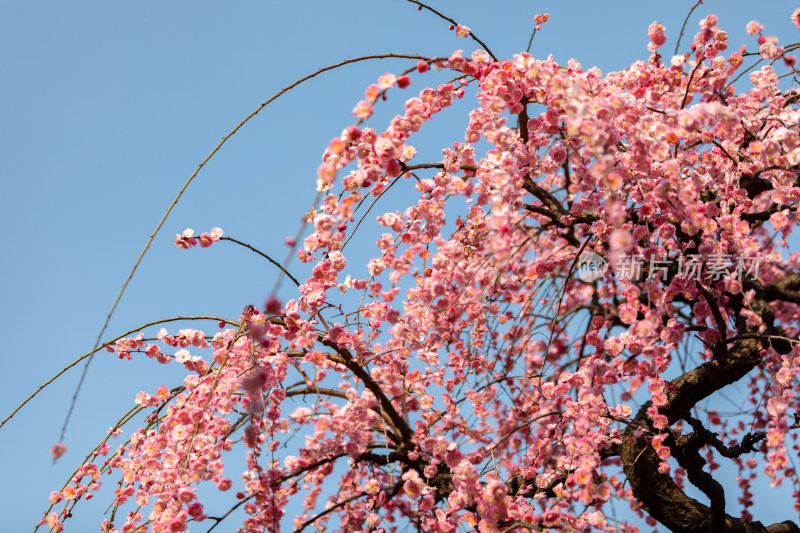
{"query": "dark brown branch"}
[(398, 421), (511, 526), (539, 210), (683, 28), (689, 83), (721, 346), (658, 493), (553, 204), (523, 121), (339, 394), (408, 168), (686, 450), (708, 437), (785, 289)]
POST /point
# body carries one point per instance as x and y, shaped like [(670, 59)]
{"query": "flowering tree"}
[(521, 366)]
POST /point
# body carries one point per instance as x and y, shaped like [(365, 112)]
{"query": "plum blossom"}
[(657, 34), (754, 28)]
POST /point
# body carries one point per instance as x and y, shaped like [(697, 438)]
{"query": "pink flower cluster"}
[(540, 19), (206, 239)]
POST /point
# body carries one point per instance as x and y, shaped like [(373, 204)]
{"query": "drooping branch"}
[(265, 256), (109, 343), (186, 185)]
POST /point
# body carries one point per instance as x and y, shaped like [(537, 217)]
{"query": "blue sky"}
[(107, 108)]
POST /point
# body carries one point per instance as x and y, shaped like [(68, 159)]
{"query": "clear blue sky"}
[(107, 107)]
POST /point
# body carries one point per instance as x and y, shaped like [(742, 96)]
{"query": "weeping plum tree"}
[(541, 336)]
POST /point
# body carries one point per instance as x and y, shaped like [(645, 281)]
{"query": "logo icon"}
[(591, 267)]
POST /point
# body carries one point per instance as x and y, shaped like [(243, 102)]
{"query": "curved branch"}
[(81, 358), (186, 185), (262, 254), (219, 519), (683, 28), (453, 22)]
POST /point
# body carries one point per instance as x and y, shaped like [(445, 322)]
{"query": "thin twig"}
[(262, 254), (232, 509), (678, 44), (454, 23), (368, 210), (328, 511), (689, 83)]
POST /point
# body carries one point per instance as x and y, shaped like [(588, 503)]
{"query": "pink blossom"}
[(462, 31), (205, 240), (371, 94), (326, 174), (657, 34), (620, 241), (754, 28), (769, 48), (363, 110), (386, 81), (182, 356), (57, 450)]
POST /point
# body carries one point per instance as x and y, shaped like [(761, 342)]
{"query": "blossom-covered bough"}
[(477, 374)]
